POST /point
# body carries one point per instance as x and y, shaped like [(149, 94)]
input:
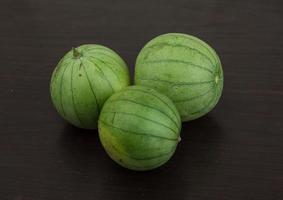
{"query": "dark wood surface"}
[(235, 152)]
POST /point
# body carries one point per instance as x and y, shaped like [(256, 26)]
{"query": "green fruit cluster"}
[(178, 78)]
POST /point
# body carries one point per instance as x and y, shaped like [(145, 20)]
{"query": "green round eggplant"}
[(83, 80), (184, 68), (139, 128)]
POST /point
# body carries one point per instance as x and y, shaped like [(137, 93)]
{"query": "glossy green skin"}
[(83, 81), (184, 68), (139, 128)]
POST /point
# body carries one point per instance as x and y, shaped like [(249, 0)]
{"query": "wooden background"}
[(235, 152)]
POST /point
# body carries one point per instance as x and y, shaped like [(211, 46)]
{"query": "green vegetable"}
[(139, 128), (184, 68), (82, 81)]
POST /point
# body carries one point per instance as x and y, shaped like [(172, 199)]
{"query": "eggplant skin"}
[(83, 80), (139, 128), (184, 68)]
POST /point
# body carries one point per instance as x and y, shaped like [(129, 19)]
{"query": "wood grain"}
[(235, 152)]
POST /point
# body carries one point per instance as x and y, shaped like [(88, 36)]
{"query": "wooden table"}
[(235, 152)]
